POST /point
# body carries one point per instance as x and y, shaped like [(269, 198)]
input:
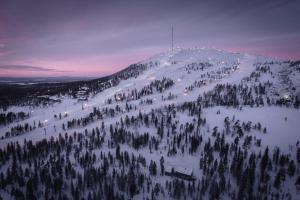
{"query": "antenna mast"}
[(172, 36)]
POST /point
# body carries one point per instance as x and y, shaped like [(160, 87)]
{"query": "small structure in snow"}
[(43, 96), (169, 170), (55, 99), (49, 98), (184, 173), (84, 88), (82, 94), (180, 172), (82, 98)]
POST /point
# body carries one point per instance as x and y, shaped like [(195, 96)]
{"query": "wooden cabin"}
[(180, 172)]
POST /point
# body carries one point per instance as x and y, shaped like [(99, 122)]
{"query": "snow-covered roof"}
[(84, 88), (168, 169), (82, 98), (81, 92), (179, 169), (55, 98), (184, 170), (43, 96)]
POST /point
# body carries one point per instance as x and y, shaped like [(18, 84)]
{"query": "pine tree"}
[(264, 161), (131, 181), (162, 167), (29, 190), (152, 168), (118, 152), (291, 168), (277, 180), (298, 155), (297, 183)]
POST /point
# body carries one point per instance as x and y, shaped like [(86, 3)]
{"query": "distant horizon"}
[(119, 69), (45, 77), (98, 38)]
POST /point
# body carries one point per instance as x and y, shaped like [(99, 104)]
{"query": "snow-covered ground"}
[(175, 71), (184, 67)]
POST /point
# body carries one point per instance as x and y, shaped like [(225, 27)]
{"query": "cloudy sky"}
[(96, 38)]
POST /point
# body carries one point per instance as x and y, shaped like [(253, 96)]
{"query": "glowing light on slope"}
[(286, 96), (152, 78)]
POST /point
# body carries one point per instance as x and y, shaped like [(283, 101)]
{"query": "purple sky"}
[(96, 38)]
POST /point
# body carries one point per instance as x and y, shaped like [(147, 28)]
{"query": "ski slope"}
[(197, 75), (166, 68)]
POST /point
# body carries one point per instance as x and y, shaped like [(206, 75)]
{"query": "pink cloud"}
[(90, 66), (4, 53)]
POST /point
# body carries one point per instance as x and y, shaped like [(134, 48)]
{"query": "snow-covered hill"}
[(230, 119)]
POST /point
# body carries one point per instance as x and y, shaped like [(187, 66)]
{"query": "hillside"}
[(188, 124)]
